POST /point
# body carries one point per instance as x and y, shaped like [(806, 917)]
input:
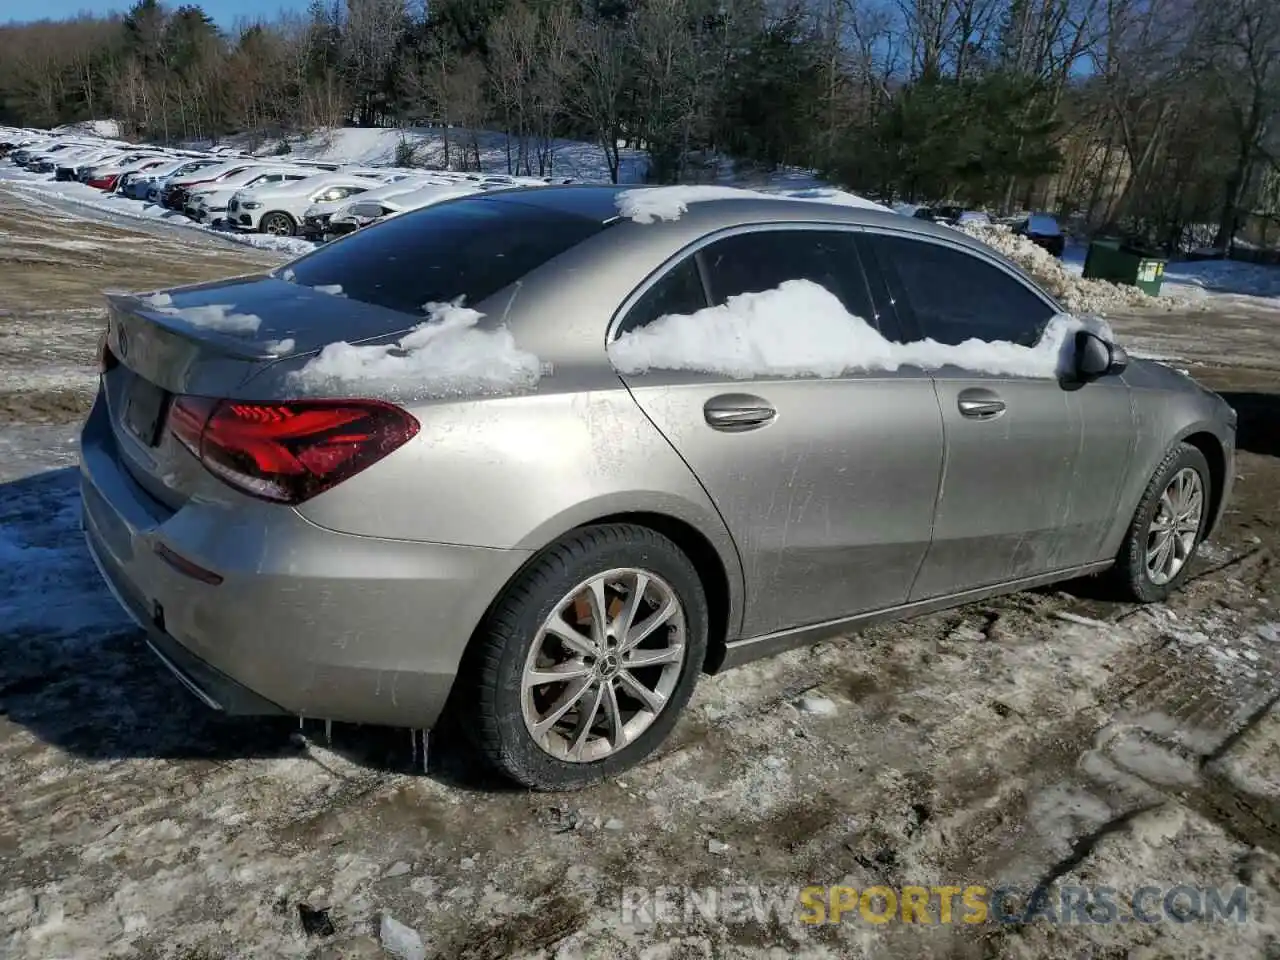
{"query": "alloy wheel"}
[(277, 225), (1171, 536), (604, 665)]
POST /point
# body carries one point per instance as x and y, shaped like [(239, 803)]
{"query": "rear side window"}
[(678, 292), (764, 260), (468, 248), (955, 296)]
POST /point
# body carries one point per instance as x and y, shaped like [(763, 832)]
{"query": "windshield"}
[(469, 248)]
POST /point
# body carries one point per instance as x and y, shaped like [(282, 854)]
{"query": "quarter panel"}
[(516, 472)]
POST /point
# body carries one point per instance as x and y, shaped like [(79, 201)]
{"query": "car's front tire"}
[(278, 224), (586, 661), (1167, 528)]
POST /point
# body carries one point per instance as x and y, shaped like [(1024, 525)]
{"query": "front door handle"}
[(980, 404), (733, 412)]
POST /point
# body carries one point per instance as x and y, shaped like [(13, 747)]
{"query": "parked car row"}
[(1042, 229), (283, 197)]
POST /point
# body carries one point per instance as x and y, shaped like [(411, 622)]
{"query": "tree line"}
[(1152, 117)]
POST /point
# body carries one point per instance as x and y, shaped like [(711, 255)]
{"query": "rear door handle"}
[(733, 412), (980, 404)]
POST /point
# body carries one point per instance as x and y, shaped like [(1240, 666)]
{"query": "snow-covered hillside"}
[(378, 146)]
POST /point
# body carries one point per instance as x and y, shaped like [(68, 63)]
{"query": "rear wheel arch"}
[(708, 563), (480, 709)]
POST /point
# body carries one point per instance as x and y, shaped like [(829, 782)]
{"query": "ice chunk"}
[(802, 329), (449, 355), (647, 204), (400, 941), (333, 289)]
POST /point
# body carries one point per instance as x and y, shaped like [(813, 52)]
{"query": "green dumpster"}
[(1111, 259)]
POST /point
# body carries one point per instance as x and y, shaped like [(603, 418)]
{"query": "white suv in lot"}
[(208, 203), (279, 208)]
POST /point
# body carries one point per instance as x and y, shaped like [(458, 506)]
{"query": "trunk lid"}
[(211, 340)]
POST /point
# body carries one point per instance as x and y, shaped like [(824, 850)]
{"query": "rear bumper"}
[(305, 621), (212, 687)]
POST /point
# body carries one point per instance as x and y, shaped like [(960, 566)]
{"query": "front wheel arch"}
[(1215, 455)]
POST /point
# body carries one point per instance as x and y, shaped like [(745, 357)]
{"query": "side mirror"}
[(1096, 358)]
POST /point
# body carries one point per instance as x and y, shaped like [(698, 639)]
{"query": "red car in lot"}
[(105, 182)]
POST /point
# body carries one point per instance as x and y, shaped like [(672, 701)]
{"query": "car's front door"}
[(1026, 482), (827, 484)]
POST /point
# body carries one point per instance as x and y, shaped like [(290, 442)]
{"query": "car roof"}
[(663, 238), (600, 203)]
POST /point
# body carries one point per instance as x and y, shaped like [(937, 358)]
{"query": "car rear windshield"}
[(469, 248)]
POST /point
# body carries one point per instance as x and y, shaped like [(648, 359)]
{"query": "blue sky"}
[(225, 12)]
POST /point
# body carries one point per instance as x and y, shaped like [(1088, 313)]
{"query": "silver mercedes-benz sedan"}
[(540, 458)]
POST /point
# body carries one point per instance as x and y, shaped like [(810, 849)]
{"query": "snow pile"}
[(378, 146), (1074, 292), (647, 204), (802, 329), (107, 129), (213, 316), (448, 356)]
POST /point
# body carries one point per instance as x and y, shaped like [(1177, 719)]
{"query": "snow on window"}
[(802, 329), (447, 356), (213, 316), (647, 204)]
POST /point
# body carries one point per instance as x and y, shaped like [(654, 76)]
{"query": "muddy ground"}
[(1055, 737)]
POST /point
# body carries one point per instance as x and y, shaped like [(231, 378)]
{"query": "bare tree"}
[(599, 90), (1240, 45)]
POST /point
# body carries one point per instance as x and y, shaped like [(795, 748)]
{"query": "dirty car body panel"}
[(847, 498)]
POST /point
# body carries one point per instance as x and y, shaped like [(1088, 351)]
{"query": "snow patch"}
[(647, 204), (400, 941), (449, 355), (279, 347), (802, 329), (213, 316)]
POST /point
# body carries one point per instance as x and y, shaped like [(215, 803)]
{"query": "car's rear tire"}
[(1167, 528), (278, 224), (536, 730)]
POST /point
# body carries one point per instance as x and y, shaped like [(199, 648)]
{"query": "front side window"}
[(955, 296)]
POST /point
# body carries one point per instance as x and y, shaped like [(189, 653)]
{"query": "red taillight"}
[(288, 452)]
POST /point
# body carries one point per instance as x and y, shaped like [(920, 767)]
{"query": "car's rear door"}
[(827, 485)]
